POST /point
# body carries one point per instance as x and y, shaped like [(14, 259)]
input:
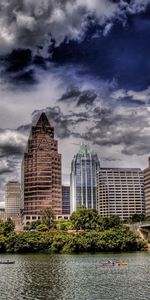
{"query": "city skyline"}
[(112, 191), (65, 182), (86, 65)]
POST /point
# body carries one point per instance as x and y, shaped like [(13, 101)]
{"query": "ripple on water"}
[(74, 277)]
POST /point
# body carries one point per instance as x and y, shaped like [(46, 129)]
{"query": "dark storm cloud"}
[(65, 124), (123, 54), (24, 128), (87, 97), (106, 127), (18, 60), (57, 119), (12, 143), (113, 126), (73, 94), (130, 131), (32, 24), (9, 170), (20, 67), (127, 130), (8, 149), (140, 147), (110, 39), (5, 169), (129, 101)]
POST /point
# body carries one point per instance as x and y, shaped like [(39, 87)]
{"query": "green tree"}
[(47, 217), (61, 225), (103, 223), (114, 221), (8, 227), (147, 218), (64, 225), (42, 227), (137, 218), (85, 219)]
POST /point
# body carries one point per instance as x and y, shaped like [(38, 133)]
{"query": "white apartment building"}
[(147, 189), (120, 192), (13, 200)]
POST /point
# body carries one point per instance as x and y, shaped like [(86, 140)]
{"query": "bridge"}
[(142, 229)]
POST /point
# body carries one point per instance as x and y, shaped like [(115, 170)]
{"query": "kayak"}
[(6, 262), (112, 263)]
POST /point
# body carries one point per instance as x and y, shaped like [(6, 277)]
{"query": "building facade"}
[(41, 172), (147, 189), (84, 167), (13, 204), (2, 214), (120, 192), (65, 200)]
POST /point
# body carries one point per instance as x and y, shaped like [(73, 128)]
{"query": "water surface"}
[(75, 277)]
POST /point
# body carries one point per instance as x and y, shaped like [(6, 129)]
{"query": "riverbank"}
[(115, 239)]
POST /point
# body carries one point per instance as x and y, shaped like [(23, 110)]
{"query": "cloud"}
[(12, 146), (74, 95), (137, 6), (6, 166), (120, 135), (62, 123), (83, 62), (108, 124), (105, 39), (32, 25), (11, 143)]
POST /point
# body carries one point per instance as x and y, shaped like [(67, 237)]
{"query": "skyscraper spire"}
[(43, 125), (43, 120)]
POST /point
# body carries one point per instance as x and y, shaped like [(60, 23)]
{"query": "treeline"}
[(82, 219), (91, 233), (62, 242)]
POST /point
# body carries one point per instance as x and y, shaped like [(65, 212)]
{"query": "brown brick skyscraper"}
[(41, 171)]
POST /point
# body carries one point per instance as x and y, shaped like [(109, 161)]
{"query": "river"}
[(75, 277)]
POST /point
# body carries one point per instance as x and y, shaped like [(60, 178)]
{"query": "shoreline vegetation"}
[(85, 232)]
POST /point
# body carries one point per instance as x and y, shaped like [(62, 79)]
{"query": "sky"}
[(86, 64)]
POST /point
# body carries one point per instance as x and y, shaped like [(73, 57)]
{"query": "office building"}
[(13, 200), (84, 167), (41, 172), (147, 189), (65, 200), (120, 192)]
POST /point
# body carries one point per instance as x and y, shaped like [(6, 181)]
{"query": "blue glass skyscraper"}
[(84, 167)]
